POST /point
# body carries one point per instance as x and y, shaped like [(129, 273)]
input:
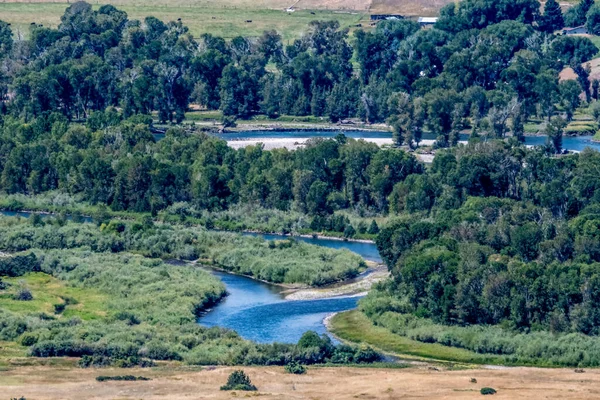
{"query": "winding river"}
[(258, 311)]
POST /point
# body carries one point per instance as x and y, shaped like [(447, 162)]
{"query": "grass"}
[(354, 326), (48, 291), (219, 20)]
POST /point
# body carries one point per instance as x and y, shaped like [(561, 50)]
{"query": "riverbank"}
[(358, 286), (355, 327), (340, 383)]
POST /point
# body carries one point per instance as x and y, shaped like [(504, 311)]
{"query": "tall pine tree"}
[(553, 18)]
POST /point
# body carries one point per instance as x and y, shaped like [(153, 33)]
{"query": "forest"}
[(485, 66), (512, 268)]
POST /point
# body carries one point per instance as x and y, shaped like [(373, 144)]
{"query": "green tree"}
[(592, 23), (238, 380), (569, 93), (6, 39), (552, 19), (554, 131), (583, 77), (373, 228)]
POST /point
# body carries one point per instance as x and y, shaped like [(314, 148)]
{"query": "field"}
[(47, 291), (225, 20), (45, 383)]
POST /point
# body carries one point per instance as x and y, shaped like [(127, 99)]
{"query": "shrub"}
[(487, 390), (23, 294), (295, 368), (103, 378), (28, 339), (59, 308), (238, 380)]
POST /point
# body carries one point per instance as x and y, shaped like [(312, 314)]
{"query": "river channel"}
[(259, 311)]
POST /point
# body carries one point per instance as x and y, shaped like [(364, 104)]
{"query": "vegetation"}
[(238, 380), (295, 368), (492, 261), (493, 251), (104, 378), (286, 261), (147, 311), (487, 391)]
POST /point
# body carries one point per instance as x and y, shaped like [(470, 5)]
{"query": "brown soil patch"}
[(45, 383)]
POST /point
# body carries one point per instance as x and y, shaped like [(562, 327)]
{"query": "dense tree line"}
[(120, 164), (494, 235), (487, 65)]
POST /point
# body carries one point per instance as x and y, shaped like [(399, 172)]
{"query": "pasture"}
[(227, 19)]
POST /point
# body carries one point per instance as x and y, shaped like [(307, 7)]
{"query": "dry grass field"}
[(45, 383)]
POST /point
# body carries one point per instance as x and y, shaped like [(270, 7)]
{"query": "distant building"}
[(379, 17), (578, 30), (427, 21)]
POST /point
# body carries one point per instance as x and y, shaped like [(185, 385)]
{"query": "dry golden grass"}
[(45, 383)]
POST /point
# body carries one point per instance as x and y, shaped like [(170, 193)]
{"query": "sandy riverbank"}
[(295, 143), (358, 286), (340, 383)]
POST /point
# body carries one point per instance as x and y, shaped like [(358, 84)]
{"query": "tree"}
[(349, 231), (583, 77), (6, 39), (592, 23), (569, 93), (401, 119), (373, 228), (316, 198), (554, 131), (238, 380), (552, 20)]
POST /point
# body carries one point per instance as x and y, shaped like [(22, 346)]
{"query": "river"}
[(258, 311), (576, 143)]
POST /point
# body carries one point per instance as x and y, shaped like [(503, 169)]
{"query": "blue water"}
[(576, 143), (258, 311)]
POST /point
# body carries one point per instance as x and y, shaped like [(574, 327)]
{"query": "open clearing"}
[(219, 20), (45, 383)]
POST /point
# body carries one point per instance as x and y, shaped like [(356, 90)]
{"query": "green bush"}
[(295, 368), (238, 380), (487, 390)]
